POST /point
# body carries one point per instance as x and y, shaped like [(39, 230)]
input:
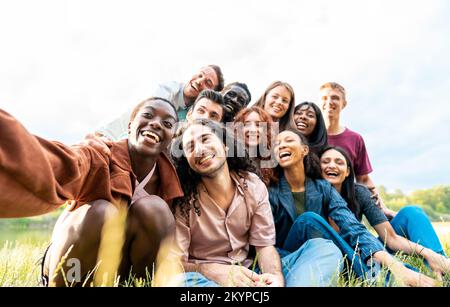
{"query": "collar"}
[(170, 187)]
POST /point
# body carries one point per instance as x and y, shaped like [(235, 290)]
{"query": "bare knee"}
[(152, 213)]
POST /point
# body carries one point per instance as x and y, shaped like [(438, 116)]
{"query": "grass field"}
[(19, 260)]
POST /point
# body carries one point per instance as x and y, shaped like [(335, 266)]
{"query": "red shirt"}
[(353, 143)]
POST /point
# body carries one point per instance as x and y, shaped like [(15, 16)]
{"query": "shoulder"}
[(171, 87), (254, 183), (318, 184), (350, 133)]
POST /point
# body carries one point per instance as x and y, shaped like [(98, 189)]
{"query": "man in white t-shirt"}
[(182, 96)]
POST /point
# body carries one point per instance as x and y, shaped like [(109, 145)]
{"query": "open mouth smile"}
[(151, 137), (204, 158), (285, 155)]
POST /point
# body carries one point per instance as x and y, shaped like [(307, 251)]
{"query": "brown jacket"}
[(38, 176)]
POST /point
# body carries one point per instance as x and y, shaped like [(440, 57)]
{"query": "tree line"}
[(435, 201)]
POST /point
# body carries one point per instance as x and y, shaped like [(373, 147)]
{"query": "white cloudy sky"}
[(66, 66)]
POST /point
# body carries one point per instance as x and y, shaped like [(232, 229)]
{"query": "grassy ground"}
[(19, 261)]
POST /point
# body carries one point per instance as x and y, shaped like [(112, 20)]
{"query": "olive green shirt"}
[(299, 201)]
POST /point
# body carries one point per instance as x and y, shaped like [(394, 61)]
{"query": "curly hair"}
[(237, 160), (267, 174)]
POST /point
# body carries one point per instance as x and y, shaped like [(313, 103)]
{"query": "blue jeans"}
[(412, 223), (310, 225), (315, 263)]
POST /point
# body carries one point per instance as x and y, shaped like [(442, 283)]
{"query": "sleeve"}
[(117, 129), (36, 175), (369, 208), (182, 236), (351, 230), (362, 162), (262, 229)]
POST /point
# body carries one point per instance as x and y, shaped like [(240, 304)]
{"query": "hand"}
[(438, 263), (410, 278), (229, 275), (99, 142), (269, 280), (390, 214)]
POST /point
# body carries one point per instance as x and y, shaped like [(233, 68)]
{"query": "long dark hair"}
[(311, 161), (318, 138), (237, 160), (348, 186)]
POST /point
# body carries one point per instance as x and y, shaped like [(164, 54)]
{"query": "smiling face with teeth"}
[(152, 128), (206, 78), (204, 151), (253, 129), (235, 99), (277, 102), (289, 149), (334, 168), (305, 119), (333, 102)]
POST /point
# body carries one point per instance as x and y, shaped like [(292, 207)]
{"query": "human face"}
[(152, 129), (334, 168), (277, 102), (289, 150), (205, 108), (305, 119), (235, 99), (206, 78), (204, 151), (253, 129), (332, 102)]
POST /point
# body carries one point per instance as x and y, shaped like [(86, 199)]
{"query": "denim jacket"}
[(323, 199)]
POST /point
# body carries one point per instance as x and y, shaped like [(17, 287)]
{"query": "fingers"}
[(100, 143)]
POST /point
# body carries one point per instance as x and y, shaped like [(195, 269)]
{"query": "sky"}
[(66, 67)]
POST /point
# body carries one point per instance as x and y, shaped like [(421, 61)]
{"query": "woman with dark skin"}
[(136, 175), (278, 101), (417, 237), (149, 219), (302, 202), (255, 127), (309, 121)]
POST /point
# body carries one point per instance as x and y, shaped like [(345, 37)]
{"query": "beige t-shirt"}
[(224, 237)]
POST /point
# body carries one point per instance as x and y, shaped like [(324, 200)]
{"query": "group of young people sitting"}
[(264, 194)]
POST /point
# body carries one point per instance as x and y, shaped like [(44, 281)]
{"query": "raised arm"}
[(37, 175)]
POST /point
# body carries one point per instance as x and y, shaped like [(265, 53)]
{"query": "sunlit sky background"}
[(67, 66)]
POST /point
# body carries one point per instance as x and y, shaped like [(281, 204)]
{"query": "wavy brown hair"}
[(237, 161), (267, 174)]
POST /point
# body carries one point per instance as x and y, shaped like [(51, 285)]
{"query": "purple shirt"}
[(353, 143)]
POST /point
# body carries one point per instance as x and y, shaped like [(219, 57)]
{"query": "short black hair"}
[(241, 85), (139, 106)]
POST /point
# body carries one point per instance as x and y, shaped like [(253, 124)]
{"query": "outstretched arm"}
[(37, 175), (438, 263)]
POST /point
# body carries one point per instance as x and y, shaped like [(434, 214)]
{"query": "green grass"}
[(19, 264)]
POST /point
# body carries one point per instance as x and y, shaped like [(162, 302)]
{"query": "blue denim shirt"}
[(323, 199)]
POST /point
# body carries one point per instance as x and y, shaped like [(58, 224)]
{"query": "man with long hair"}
[(224, 212)]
